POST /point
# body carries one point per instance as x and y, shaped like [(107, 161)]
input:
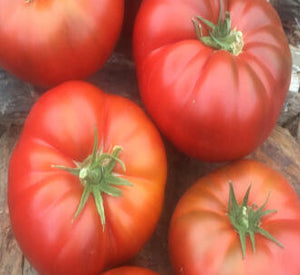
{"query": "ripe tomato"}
[(218, 103), (207, 229), (130, 270), (48, 42), (74, 208)]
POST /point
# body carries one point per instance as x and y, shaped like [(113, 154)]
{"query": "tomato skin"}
[(211, 104), (130, 270), (43, 199), (48, 42), (203, 241)]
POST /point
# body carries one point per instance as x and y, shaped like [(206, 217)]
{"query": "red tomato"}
[(204, 237), (130, 270), (48, 42), (57, 235), (213, 104)]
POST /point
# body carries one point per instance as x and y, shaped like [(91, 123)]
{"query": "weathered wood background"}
[(281, 151)]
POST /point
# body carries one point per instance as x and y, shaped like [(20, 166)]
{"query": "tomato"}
[(130, 270), (48, 42), (87, 169), (216, 96), (211, 231)]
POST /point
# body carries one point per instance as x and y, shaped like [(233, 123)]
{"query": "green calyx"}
[(97, 177), (246, 219), (221, 36)]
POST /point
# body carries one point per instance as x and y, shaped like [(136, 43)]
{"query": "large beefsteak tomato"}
[(48, 42), (230, 229), (213, 82), (80, 202), (130, 270)]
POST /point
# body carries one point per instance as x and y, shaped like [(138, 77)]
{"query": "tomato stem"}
[(221, 36), (246, 219), (97, 177)]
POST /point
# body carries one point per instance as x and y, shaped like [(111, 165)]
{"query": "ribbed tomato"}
[(48, 42), (86, 171), (241, 219), (213, 78)]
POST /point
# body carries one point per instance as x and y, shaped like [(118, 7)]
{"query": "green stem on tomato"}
[(97, 177), (246, 219), (221, 36)]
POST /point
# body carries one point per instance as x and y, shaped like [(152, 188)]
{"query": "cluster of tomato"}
[(87, 176)]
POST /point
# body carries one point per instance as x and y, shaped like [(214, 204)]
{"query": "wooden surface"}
[(281, 152)]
